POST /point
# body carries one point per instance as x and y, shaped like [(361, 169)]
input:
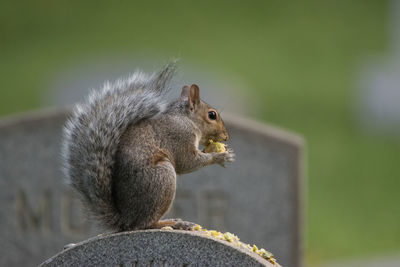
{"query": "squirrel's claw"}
[(231, 155), (227, 156)]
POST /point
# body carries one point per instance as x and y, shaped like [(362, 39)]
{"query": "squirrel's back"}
[(93, 132)]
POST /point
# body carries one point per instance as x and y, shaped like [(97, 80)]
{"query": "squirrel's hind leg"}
[(145, 193)]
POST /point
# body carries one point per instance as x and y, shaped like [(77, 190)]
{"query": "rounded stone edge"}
[(254, 256)]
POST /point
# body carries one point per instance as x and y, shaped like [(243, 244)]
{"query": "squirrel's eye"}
[(212, 115)]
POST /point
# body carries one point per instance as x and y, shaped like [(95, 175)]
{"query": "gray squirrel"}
[(124, 147)]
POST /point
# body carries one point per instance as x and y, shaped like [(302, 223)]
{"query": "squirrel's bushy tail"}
[(92, 134)]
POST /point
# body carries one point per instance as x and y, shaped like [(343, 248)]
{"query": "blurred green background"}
[(299, 59)]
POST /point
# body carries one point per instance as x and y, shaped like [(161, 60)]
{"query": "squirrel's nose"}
[(225, 137)]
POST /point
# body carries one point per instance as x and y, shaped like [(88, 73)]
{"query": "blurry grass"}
[(300, 61)]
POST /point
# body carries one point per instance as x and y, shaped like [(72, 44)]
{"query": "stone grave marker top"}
[(156, 248)]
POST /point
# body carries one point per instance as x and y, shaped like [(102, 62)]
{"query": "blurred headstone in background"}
[(378, 96), (258, 197), (38, 213)]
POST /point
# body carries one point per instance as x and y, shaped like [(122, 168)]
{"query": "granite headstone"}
[(156, 248), (259, 197)]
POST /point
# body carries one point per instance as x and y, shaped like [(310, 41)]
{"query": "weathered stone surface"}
[(258, 197), (156, 248)]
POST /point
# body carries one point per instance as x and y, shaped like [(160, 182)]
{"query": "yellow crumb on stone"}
[(255, 249), (197, 227), (214, 233), (265, 254), (167, 228), (228, 237), (231, 238)]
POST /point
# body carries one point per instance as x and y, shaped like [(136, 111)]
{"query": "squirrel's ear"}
[(185, 92), (194, 96)]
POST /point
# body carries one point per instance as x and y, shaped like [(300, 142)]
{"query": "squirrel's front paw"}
[(221, 158)]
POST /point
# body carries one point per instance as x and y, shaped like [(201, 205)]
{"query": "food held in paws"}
[(215, 147)]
